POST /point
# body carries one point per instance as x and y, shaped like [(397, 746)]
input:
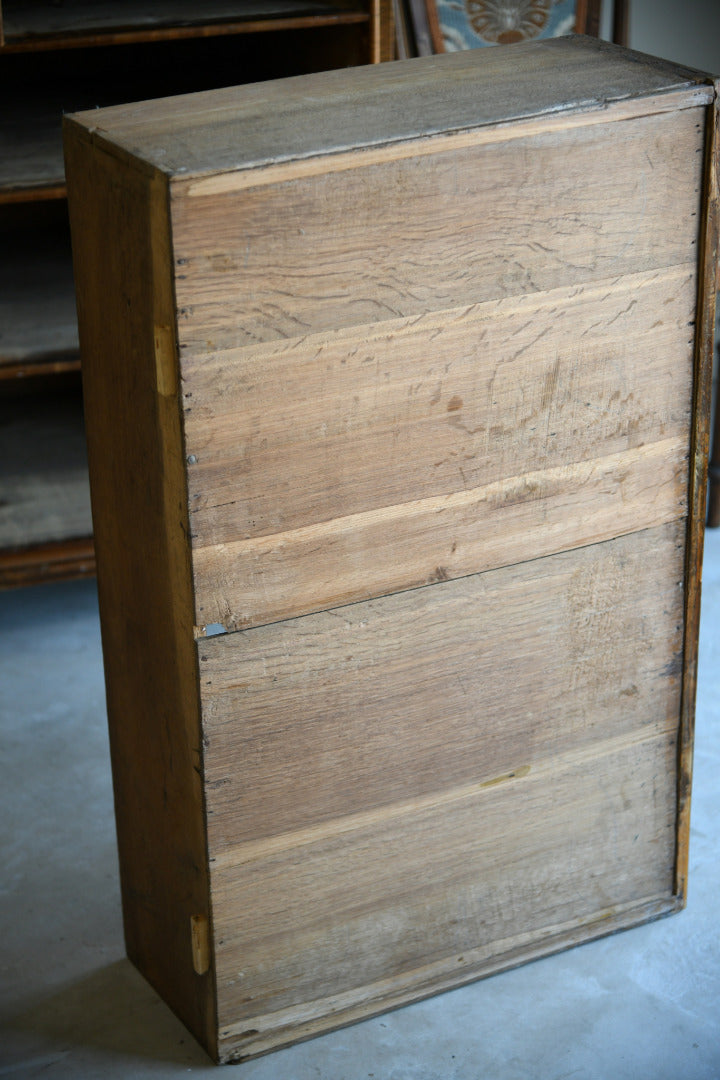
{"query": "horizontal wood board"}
[(65, 560), (394, 783), (435, 231), (349, 432), (341, 711), (31, 23), (290, 119)]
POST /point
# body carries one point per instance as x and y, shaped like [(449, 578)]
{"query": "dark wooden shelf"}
[(38, 329), (32, 25), (44, 492), (50, 65), (61, 561), (31, 161), (43, 86)]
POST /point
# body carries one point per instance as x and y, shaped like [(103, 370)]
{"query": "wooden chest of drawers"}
[(397, 390)]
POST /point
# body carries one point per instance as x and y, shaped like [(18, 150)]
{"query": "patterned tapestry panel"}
[(469, 24)]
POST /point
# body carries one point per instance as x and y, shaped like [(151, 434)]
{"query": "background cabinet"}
[(63, 56)]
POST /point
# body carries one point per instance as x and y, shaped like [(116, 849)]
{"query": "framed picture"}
[(435, 26)]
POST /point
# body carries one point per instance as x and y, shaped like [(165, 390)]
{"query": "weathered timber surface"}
[(320, 717), (435, 231), (339, 467), (536, 703), (240, 128), (439, 906), (400, 382), (138, 499)]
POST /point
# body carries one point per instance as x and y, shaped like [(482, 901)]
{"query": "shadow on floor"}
[(112, 1010)]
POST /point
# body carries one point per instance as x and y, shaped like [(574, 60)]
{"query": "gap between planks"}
[(677, 275), (252, 851), (568, 478)]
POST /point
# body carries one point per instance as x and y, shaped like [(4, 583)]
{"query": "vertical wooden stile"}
[(122, 256), (708, 239)]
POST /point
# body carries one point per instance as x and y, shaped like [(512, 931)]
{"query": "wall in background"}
[(687, 32)]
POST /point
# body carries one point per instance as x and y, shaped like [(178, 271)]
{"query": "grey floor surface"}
[(644, 1004)]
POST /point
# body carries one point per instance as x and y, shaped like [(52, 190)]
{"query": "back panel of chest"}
[(396, 387)]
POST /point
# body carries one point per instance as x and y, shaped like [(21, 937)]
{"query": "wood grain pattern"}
[(700, 448), (335, 468), (406, 396), (121, 251), (515, 711), (296, 1023), (558, 679), (314, 719), (284, 168), (401, 547), (326, 426), (444, 234), (247, 127), (329, 935)]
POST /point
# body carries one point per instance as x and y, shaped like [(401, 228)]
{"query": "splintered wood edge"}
[(237, 1045), (265, 173), (704, 339)]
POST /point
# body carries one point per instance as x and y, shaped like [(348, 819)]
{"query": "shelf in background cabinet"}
[(31, 156), (32, 25), (45, 518), (62, 56), (38, 328)]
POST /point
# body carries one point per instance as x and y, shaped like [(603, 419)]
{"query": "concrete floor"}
[(642, 1005)]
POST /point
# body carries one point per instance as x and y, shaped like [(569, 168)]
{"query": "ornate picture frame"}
[(436, 26)]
